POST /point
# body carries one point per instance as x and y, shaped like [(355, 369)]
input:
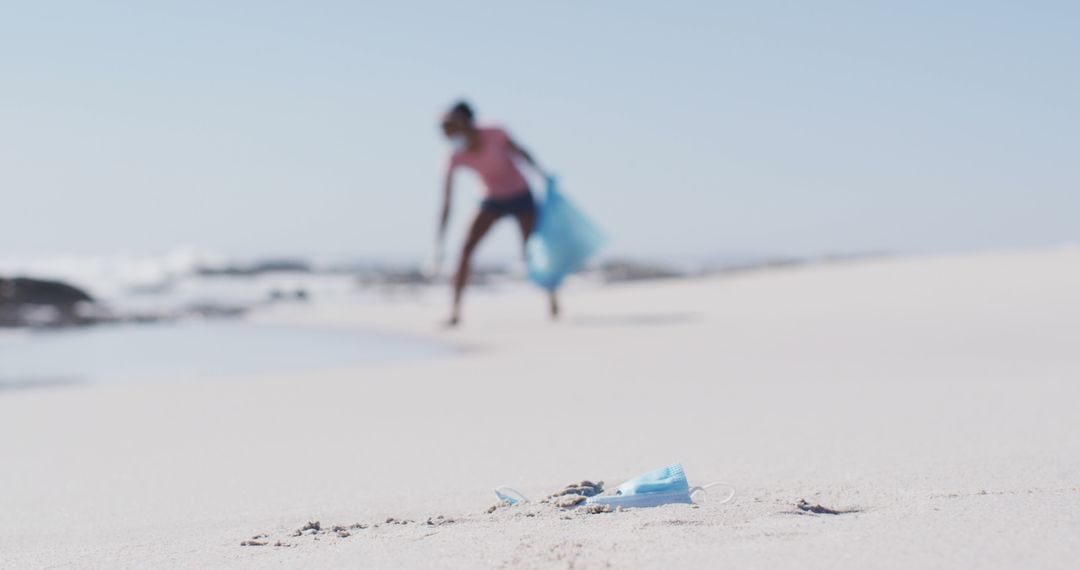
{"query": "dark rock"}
[(806, 507), (257, 268), (209, 310), (617, 271), (26, 301), (299, 294), (392, 277)]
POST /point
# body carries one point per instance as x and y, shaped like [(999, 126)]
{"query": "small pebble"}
[(438, 520)]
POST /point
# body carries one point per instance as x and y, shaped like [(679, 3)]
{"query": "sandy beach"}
[(933, 398)]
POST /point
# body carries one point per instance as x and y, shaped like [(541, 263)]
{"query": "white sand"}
[(937, 395)]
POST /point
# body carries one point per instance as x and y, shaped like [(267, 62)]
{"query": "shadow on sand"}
[(31, 382)]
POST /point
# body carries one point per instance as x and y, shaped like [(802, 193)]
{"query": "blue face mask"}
[(659, 487), (459, 143)]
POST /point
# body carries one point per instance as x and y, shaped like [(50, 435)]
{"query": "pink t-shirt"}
[(493, 162)]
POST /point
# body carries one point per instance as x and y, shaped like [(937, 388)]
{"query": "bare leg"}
[(527, 221), (480, 226)]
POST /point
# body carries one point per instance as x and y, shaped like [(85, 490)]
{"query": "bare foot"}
[(452, 322)]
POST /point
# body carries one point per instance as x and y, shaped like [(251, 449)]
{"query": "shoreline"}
[(196, 351)]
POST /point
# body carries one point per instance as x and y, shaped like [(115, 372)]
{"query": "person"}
[(492, 154)]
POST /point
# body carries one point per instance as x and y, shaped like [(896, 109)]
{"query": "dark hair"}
[(462, 108)]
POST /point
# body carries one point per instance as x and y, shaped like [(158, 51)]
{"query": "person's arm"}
[(518, 150), (448, 191)]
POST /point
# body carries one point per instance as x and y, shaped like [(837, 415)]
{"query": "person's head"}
[(458, 121)]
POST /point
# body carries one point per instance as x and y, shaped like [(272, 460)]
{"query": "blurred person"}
[(492, 154)]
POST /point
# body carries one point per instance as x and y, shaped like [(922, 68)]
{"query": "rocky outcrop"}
[(620, 270), (257, 268), (25, 301)]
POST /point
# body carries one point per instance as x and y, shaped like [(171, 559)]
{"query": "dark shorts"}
[(515, 206)]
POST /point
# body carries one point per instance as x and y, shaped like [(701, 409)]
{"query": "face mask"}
[(659, 487), (459, 143)]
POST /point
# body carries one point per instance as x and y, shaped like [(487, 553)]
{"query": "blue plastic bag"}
[(564, 239)]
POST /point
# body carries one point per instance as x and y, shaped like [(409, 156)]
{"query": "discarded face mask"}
[(662, 486)]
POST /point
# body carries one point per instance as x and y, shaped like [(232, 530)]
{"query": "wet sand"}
[(900, 413)]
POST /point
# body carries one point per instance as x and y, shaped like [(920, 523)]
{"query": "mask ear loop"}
[(705, 489), (510, 495)]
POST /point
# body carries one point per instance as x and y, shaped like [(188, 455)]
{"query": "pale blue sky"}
[(687, 128)]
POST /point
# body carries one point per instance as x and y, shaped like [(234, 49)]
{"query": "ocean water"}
[(189, 351)]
